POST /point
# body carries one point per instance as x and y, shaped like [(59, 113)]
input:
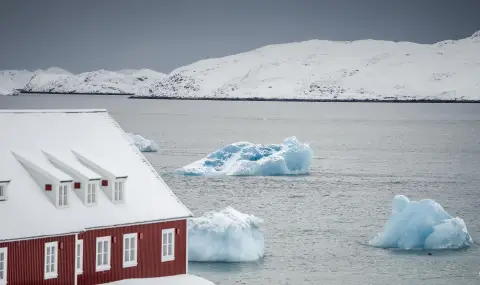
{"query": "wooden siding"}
[(148, 255), (25, 265)]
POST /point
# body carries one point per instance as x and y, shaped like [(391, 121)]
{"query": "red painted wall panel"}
[(148, 256), (26, 258), (25, 263)]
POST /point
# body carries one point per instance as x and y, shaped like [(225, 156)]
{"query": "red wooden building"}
[(79, 204)]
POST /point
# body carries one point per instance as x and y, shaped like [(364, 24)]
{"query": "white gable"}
[(33, 135)]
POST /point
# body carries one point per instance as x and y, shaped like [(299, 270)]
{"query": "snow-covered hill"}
[(324, 70), (94, 82), (11, 81)]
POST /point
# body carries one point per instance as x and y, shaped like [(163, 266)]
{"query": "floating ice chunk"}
[(143, 144), (421, 224), (244, 158), (225, 236)]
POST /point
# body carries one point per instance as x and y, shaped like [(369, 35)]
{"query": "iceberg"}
[(143, 144), (248, 159), (225, 236), (421, 224)]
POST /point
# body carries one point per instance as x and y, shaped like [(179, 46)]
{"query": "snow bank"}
[(421, 224), (245, 158), (125, 81), (183, 279), (318, 69), (225, 236), (143, 144)]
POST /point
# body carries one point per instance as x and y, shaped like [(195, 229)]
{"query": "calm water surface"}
[(317, 226)]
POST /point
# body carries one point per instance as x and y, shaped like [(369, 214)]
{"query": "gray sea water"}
[(317, 226)]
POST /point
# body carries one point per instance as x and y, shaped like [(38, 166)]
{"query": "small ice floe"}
[(225, 236), (421, 224)]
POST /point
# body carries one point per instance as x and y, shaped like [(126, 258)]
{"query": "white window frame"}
[(79, 257), (47, 270), (166, 245), (119, 191), (128, 249), (91, 193), (103, 266), (3, 191), (62, 188), (4, 262)]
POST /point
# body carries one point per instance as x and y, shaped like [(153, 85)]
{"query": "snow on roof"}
[(29, 212), (69, 164), (182, 279)]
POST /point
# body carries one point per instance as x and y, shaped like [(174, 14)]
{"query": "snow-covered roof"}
[(32, 133)]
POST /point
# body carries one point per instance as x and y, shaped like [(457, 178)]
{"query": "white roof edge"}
[(99, 228), (53, 111)]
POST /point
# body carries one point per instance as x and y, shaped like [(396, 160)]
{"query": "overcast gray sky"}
[(114, 34)]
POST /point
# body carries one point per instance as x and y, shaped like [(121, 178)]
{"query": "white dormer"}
[(54, 183), (4, 190), (112, 182), (86, 182)]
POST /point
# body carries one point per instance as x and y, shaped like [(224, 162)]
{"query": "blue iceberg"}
[(225, 236), (421, 224), (245, 158)]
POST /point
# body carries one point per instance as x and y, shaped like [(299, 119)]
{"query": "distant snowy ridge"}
[(94, 82), (11, 81), (57, 80), (328, 70), (421, 224), (225, 236), (247, 159)]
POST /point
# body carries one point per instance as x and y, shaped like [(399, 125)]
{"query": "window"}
[(3, 265), (168, 245), (62, 195), (130, 250), (118, 191), (51, 254), (91, 193), (79, 257), (3, 194), (103, 253)]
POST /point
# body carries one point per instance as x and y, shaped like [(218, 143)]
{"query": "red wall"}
[(26, 258), (148, 256), (25, 263)]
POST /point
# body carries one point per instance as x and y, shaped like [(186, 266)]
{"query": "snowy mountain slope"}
[(317, 69), (13, 80), (94, 82)]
